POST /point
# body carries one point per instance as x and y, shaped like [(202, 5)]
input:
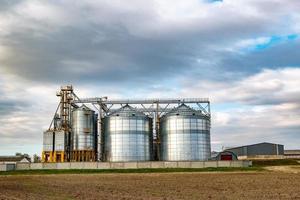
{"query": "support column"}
[(157, 131), (99, 134)]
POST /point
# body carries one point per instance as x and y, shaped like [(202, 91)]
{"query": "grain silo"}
[(54, 146), (83, 134), (127, 136), (185, 135)]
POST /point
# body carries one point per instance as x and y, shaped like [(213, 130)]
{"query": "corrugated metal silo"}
[(83, 134), (185, 135), (60, 140), (48, 141), (54, 146), (127, 136)]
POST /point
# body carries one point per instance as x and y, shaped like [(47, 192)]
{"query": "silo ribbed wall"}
[(185, 135), (127, 136)]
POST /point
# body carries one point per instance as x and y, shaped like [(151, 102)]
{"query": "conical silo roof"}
[(127, 111), (183, 110), (84, 107)]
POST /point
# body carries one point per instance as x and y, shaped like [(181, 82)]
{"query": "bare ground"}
[(238, 185), (286, 169)]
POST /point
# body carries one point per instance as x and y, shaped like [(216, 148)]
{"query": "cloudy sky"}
[(243, 55)]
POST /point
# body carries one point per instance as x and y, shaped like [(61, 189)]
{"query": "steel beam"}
[(140, 101)]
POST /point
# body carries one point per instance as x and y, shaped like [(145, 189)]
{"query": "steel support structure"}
[(154, 108), (61, 121), (66, 96)]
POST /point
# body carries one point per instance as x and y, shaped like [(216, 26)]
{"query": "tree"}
[(25, 155), (36, 158)]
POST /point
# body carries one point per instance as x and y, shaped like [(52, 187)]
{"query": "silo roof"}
[(84, 107), (127, 111), (183, 110)]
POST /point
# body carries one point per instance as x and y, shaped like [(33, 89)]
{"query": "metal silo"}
[(83, 134), (185, 135), (127, 136)]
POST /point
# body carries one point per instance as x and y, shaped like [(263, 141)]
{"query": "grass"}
[(277, 162), (158, 170)]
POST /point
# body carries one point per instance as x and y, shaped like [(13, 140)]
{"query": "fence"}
[(132, 165)]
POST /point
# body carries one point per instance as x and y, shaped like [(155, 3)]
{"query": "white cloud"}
[(267, 87), (263, 107), (41, 11), (259, 124), (236, 125), (27, 108), (41, 38), (145, 49)]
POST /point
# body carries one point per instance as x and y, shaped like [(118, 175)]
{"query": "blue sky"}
[(243, 55), (275, 40)]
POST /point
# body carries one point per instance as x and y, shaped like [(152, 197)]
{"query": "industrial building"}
[(292, 153), (226, 155), (100, 129), (14, 159), (263, 150)]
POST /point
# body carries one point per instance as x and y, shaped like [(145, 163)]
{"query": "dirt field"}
[(229, 185)]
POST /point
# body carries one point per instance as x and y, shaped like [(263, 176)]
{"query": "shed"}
[(14, 159), (292, 153), (263, 150), (226, 155)]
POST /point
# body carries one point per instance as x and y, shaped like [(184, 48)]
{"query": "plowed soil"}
[(233, 185)]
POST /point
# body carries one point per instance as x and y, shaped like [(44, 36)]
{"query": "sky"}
[(243, 55)]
